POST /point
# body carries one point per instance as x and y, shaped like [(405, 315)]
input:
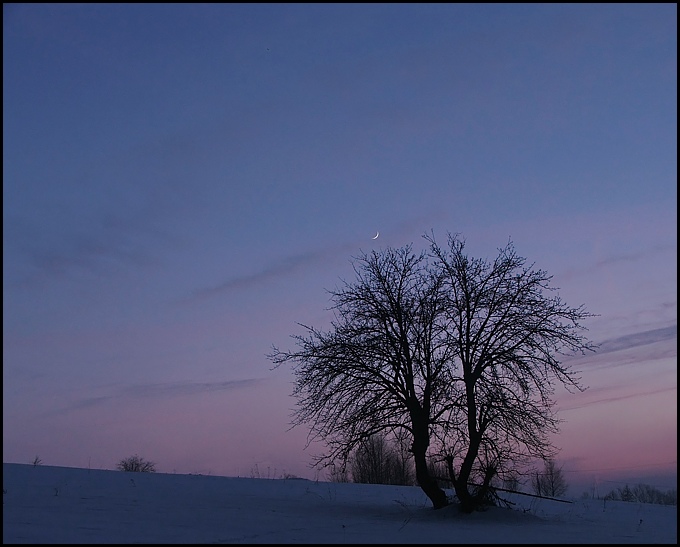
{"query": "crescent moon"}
[(376, 235)]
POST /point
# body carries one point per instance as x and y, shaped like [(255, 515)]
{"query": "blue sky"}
[(183, 183)]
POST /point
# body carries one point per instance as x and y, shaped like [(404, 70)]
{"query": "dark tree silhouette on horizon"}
[(509, 333), (456, 353), (380, 368), (550, 482)]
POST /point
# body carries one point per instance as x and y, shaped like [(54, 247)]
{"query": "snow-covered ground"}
[(43, 504)]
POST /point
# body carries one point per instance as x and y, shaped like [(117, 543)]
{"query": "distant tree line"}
[(377, 461), (644, 493), (381, 461)]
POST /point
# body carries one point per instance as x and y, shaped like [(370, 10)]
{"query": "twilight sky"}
[(182, 184)]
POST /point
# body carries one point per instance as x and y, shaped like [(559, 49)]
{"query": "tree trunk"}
[(426, 482), (468, 502)]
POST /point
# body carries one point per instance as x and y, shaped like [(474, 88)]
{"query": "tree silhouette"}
[(380, 368), (551, 482), (458, 354), (507, 333)]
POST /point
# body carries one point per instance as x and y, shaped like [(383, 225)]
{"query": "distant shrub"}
[(37, 461), (644, 493), (255, 473), (135, 464)]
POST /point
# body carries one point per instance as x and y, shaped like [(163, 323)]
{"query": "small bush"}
[(135, 464)]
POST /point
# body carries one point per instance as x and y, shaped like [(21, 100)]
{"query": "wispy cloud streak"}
[(603, 399), (620, 258), (299, 261), (631, 349), (279, 268), (638, 339), (635, 256), (282, 267), (163, 390), (40, 255)]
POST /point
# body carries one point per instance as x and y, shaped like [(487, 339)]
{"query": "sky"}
[(183, 184), (47, 504)]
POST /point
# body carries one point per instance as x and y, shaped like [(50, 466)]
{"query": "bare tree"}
[(136, 464), (550, 482), (404, 472), (371, 462), (377, 461), (509, 334), (381, 367), (459, 354)]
